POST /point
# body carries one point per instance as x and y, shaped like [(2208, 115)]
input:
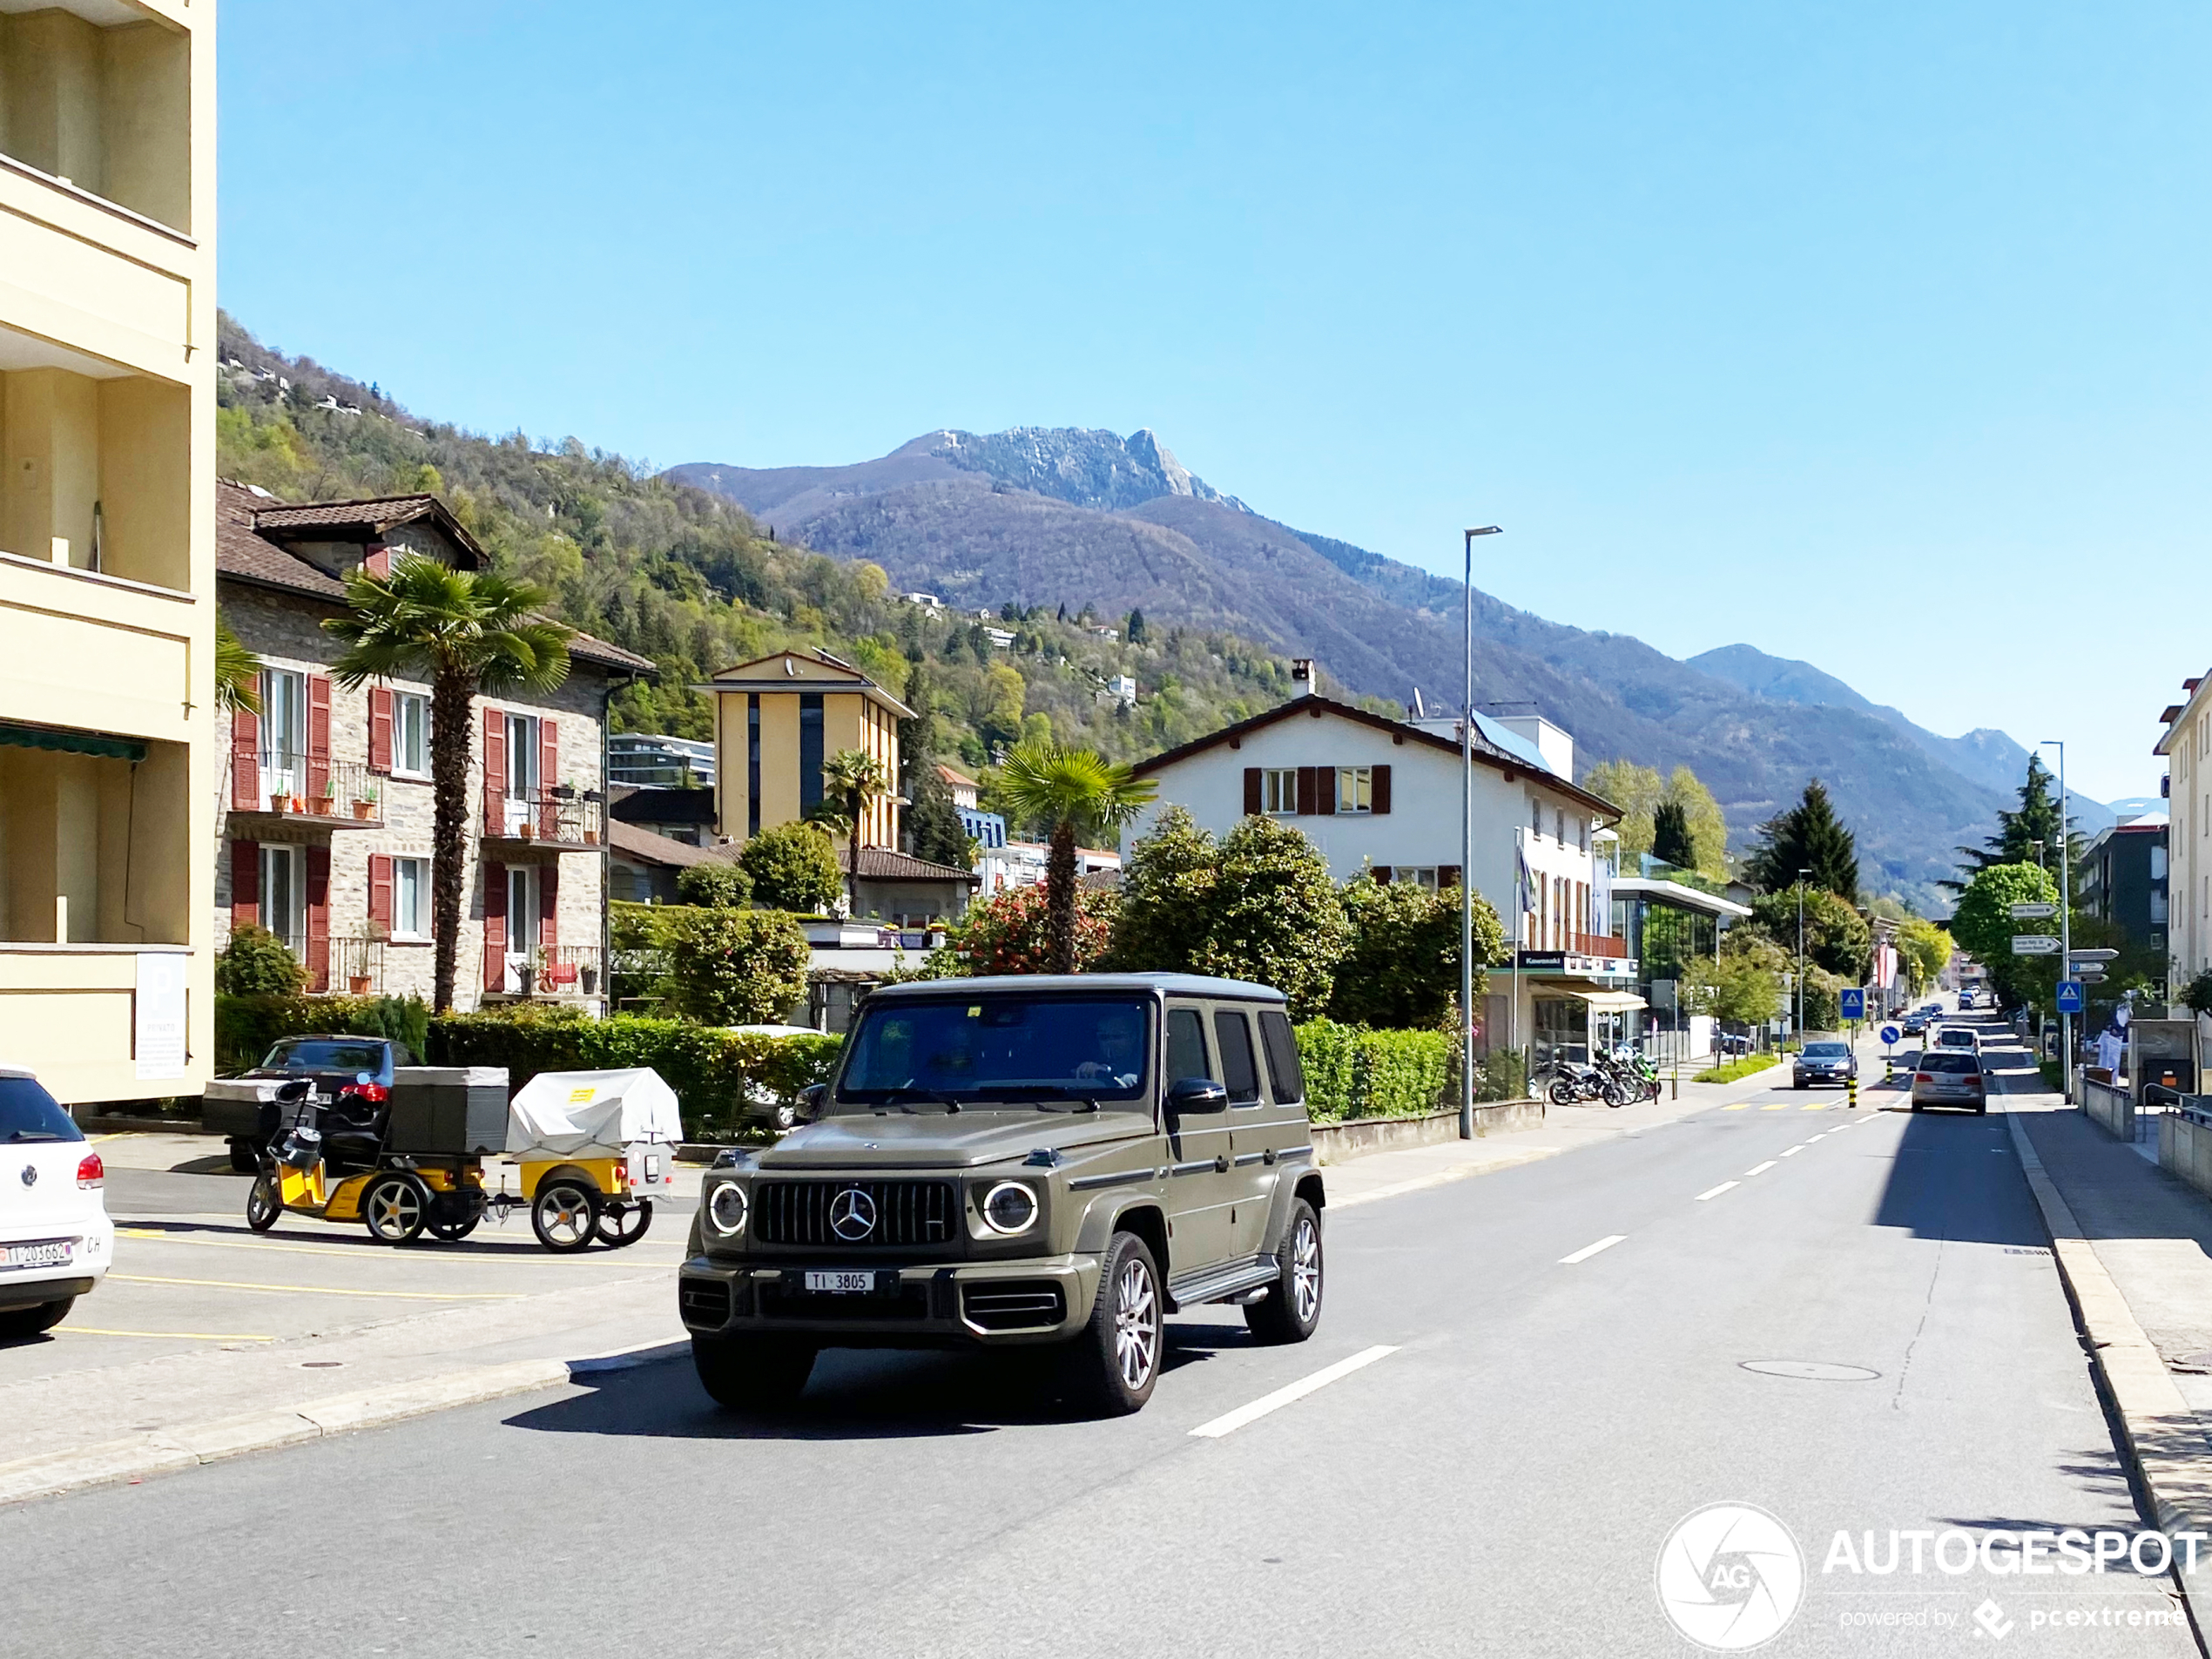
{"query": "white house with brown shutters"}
[(325, 834)]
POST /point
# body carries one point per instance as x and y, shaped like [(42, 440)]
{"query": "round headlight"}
[(725, 1207), (1009, 1207)]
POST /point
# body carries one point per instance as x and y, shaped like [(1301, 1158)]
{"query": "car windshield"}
[(328, 1054), (1826, 1051), (28, 1113), (998, 1046), (1949, 1062)]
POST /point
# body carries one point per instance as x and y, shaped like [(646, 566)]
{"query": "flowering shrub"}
[(1006, 933)]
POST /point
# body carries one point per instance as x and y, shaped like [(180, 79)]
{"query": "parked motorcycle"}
[(1572, 1084)]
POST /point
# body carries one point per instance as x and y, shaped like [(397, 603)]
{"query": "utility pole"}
[(1466, 865), (1802, 874), (2066, 925)]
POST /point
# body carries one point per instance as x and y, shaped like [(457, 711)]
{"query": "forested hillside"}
[(689, 579)]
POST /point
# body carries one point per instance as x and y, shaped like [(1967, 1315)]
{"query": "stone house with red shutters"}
[(325, 824)]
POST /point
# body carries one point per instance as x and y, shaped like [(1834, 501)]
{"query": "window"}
[(411, 734), (752, 765), (1240, 1070), (1559, 828), (1186, 1046), (1582, 834), (1419, 875), (284, 729), (1536, 818), (1283, 1069), (522, 757), (284, 895), (411, 898), (810, 753), (1355, 789), (1278, 789)]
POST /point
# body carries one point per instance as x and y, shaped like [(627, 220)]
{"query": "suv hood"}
[(934, 1138)]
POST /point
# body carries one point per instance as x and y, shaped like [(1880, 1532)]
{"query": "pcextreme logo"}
[(1731, 1577)]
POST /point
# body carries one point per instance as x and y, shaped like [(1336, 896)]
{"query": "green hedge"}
[(1352, 1071), (247, 1027), (1735, 1068), (708, 1067)]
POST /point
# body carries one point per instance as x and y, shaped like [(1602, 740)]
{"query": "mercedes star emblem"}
[(852, 1216), (30, 1175)]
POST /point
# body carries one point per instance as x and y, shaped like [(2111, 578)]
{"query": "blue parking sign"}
[(2069, 996), (1854, 1004)]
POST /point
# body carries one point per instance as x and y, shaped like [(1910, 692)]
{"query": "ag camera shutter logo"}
[(1731, 1577)]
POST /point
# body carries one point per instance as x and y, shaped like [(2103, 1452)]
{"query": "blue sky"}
[(1871, 333)]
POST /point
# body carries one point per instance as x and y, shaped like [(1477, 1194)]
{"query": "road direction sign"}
[(1854, 1001), (1890, 1034), (2034, 945), (2033, 912), (2069, 996), (2091, 955), (2089, 970)]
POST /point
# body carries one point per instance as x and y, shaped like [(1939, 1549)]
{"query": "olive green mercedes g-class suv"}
[(1020, 1162)]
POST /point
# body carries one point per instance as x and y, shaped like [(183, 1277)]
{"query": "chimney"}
[(1305, 679)]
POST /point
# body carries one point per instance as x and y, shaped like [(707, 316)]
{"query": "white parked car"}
[(56, 1241)]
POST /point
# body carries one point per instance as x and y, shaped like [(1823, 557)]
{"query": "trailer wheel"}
[(395, 1208), (565, 1214), (623, 1222)]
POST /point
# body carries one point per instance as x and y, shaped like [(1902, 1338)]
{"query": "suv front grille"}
[(995, 1306), (820, 1212)]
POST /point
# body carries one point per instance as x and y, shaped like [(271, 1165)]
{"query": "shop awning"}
[(68, 742), (1610, 1001)]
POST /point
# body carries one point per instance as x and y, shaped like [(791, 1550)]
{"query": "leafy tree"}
[(1402, 965), (2197, 994), (856, 780), (1703, 818), (1637, 792), (933, 822), (1984, 927), (717, 884), (470, 633), (1011, 933), (1670, 840), (1167, 884), (793, 869), (1745, 986), (256, 963), (238, 671), (740, 967), (1836, 936), (2027, 834), (1806, 838), (1068, 788), (1925, 949)]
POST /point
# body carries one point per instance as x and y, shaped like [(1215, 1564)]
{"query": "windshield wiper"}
[(34, 1135), (1034, 1093), (899, 1097)]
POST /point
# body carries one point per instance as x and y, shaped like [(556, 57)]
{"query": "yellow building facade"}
[(109, 781), (778, 720)]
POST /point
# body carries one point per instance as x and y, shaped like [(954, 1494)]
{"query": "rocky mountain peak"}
[(1083, 466)]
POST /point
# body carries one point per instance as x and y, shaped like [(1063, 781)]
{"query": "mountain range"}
[(1052, 515)]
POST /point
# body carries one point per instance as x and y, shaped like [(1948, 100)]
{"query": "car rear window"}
[(28, 1113), (1954, 1039), (1239, 1070), (1950, 1062), (1283, 1068), (326, 1054)]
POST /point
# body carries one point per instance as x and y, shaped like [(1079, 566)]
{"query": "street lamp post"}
[(1802, 874), (1467, 861), (2066, 922)]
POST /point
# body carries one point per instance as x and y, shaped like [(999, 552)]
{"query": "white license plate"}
[(54, 1252), (841, 1283)]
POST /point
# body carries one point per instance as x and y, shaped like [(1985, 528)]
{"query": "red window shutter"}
[(549, 773), (380, 728), (319, 917), (1308, 792), (1382, 874), (1324, 790), (379, 890), (246, 883), (549, 905), (495, 773), (318, 740), (1251, 790), (495, 927), (245, 765), (1447, 875), (1381, 796)]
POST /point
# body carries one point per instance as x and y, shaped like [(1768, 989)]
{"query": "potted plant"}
[(588, 973), (563, 792), (357, 984), (365, 801), (525, 829), (526, 976)]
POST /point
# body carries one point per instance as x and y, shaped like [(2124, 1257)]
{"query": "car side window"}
[(1239, 1068), (1186, 1046), (1284, 1072)]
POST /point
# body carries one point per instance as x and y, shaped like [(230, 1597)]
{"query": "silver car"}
[(1950, 1077)]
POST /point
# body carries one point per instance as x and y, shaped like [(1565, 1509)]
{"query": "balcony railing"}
[(552, 972), (545, 818), (1607, 945), (334, 792), (357, 966)]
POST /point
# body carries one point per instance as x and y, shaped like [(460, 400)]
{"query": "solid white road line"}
[(1759, 1168), (1713, 1193), (1231, 1422), (1589, 1251)]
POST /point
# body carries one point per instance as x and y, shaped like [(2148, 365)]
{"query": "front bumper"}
[(89, 1261), (1004, 1304)]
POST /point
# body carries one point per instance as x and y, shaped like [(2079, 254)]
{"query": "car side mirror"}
[(1188, 1094), (810, 1102)]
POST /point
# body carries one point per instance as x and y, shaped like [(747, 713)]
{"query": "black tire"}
[(394, 1209), (751, 1373), (565, 1214), (1114, 1362), (452, 1232), (18, 1323), (624, 1222), (263, 1202), (245, 1157), (1292, 1307), (1563, 1092), (1616, 1093)]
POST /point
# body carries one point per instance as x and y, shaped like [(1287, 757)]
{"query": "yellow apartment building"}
[(778, 720), (108, 778)]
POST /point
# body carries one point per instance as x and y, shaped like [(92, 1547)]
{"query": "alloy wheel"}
[(1136, 1326), (1305, 1269)]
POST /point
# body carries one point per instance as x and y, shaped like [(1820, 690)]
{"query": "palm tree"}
[(851, 778), (467, 632), (238, 671), (1067, 787)]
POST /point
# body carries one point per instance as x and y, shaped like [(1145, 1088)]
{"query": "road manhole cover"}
[(2198, 1363), (1810, 1371)]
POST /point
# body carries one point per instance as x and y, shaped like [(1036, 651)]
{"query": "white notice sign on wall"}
[(158, 1028)]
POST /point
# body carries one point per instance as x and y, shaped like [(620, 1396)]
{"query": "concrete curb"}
[(2168, 1450), (140, 1455)]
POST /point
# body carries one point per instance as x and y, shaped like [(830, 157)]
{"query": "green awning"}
[(75, 743)]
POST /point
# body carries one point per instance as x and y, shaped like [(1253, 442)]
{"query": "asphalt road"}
[(1500, 1481)]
